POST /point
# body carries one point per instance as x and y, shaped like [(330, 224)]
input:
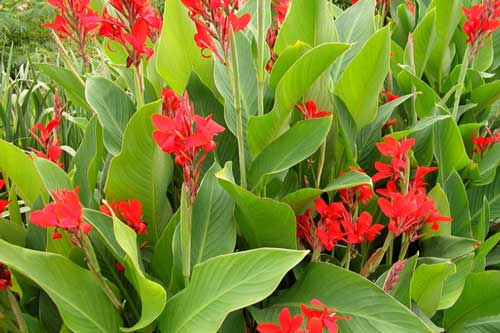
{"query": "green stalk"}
[(461, 80), (261, 40), (376, 258), (139, 85), (235, 83), (321, 164), (405, 243), (65, 56), (414, 118), (185, 229), (17, 312), (88, 251), (348, 254)]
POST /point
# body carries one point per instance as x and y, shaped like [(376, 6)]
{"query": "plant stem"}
[(90, 258), (321, 164), (348, 254), (461, 80), (65, 56), (17, 312), (411, 48), (405, 243), (261, 40), (235, 82), (139, 85), (185, 229)]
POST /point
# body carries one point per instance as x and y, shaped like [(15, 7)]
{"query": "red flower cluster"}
[(482, 20), (310, 110), (46, 135), (5, 277), (3, 203), (129, 212), (281, 9), (338, 223), (317, 319), (484, 142), (76, 21), (389, 96), (213, 19), (136, 20), (405, 204), (188, 136), (64, 213)]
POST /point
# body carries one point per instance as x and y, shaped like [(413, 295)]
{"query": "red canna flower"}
[(3, 203), (213, 19), (64, 213), (281, 9), (75, 21), (389, 96), (482, 20), (409, 212), (310, 110), (136, 20), (129, 212), (5, 277), (188, 136), (288, 324), (326, 316), (418, 181), (411, 7), (361, 193), (484, 142), (396, 150), (361, 230)]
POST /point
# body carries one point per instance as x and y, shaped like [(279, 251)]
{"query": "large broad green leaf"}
[(87, 161), (213, 231), (122, 242), (443, 207), (262, 221), (480, 298), (450, 156), (483, 325), (370, 308), (53, 177), (459, 206), (303, 198), (80, 299), (424, 40), (177, 51), (296, 81), (225, 284), (294, 146), (482, 251), (163, 255), (72, 85), (485, 95), (371, 64), (113, 107), (308, 21), (490, 160), (454, 284), (426, 99), (142, 171), (448, 15), (287, 58), (427, 285), (450, 247), (16, 165), (354, 26)]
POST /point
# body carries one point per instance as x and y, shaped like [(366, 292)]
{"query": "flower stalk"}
[(185, 229), (139, 85), (21, 324), (261, 42), (461, 81)]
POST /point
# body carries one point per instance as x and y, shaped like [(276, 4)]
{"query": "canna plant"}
[(272, 166)]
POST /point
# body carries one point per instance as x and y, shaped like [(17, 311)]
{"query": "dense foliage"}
[(231, 166)]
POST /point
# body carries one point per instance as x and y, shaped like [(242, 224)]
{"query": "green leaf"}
[(296, 81), (352, 295), (142, 171), (422, 124), (86, 310), (287, 58), (213, 230), (302, 199), (480, 298), (424, 40), (308, 21), (163, 254), (253, 215), (485, 95), (354, 26), (483, 325), (87, 161), (177, 51), (443, 207), (370, 64), (53, 177), (490, 160), (402, 290), (459, 205), (16, 165), (454, 284), (427, 285), (72, 85), (225, 284), (426, 98), (450, 247), (450, 156), (294, 146), (113, 107), (122, 243), (482, 251), (448, 15)]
